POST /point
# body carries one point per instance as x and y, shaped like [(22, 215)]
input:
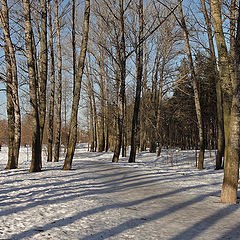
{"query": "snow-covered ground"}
[(99, 199)]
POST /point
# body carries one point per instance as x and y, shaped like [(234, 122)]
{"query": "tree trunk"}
[(43, 67), (139, 68), (122, 64), (59, 88), (101, 143), (12, 84), (224, 67), (31, 60), (52, 93), (77, 89), (195, 89), (10, 113), (220, 122), (90, 98), (231, 163)]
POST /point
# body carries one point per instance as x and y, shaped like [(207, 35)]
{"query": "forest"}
[(143, 75)]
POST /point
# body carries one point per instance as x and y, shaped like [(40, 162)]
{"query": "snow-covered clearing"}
[(102, 200)]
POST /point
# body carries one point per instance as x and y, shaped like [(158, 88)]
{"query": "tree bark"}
[(77, 89), (139, 73), (220, 122), (101, 143), (59, 87), (121, 55), (52, 93), (224, 67), (12, 85), (231, 163), (10, 113), (90, 98), (43, 69), (195, 89), (31, 60)]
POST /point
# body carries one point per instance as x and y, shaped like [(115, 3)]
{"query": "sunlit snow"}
[(98, 199)]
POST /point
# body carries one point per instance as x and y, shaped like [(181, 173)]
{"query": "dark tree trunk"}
[(43, 68), (33, 86), (139, 63), (122, 64), (59, 88), (52, 93)]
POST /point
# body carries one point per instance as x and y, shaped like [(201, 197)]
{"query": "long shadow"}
[(59, 183), (107, 186), (122, 227), (87, 192), (130, 224), (233, 234), (199, 227)]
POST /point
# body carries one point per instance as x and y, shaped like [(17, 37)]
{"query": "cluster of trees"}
[(148, 72)]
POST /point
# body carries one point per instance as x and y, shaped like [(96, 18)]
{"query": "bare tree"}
[(59, 86), (220, 123), (37, 83), (231, 101), (196, 93), (31, 59), (13, 108), (121, 59), (139, 70), (52, 94), (77, 89)]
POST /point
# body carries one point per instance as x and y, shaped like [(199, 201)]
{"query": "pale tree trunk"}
[(95, 117), (52, 93), (107, 113), (231, 163), (232, 55), (36, 143), (122, 65), (90, 98), (59, 88), (224, 67), (139, 73), (101, 143), (124, 131), (12, 83), (195, 89), (160, 95), (77, 89), (154, 103), (220, 122)]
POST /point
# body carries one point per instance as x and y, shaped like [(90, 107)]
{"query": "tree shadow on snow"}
[(121, 227)]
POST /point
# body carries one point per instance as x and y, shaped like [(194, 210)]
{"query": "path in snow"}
[(102, 200)]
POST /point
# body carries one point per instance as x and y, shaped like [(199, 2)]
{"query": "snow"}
[(99, 199)]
